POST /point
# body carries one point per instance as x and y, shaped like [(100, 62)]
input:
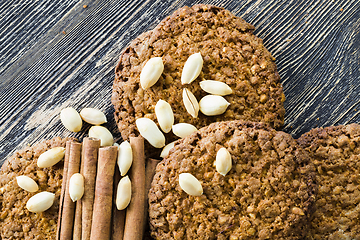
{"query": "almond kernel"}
[(151, 72), (51, 157), (190, 103), (192, 68), (190, 184), (215, 87), (164, 115), (27, 183), (150, 131), (93, 116), (212, 105), (123, 193)]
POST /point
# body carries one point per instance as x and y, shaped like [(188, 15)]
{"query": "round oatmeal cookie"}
[(16, 222), (267, 194), (335, 153), (231, 54)]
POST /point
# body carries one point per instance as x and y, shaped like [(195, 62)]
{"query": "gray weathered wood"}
[(55, 54)]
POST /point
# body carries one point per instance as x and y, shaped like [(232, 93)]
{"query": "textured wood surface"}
[(55, 54)]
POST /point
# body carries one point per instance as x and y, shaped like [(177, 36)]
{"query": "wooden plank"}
[(43, 70)]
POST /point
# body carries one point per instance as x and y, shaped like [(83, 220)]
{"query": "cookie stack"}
[(275, 187), (205, 93)]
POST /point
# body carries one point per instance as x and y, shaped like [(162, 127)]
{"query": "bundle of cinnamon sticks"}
[(95, 215)]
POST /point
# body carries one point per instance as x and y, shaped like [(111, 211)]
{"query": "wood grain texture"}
[(55, 54)]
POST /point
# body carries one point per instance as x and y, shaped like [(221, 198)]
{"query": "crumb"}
[(288, 40), (84, 6), (341, 9), (318, 119), (63, 32)]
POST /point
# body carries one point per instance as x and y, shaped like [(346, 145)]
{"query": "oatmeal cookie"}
[(231, 53), (267, 194), (16, 222), (335, 153)]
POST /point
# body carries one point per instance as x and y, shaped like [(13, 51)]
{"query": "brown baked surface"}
[(16, 222), (270, 178), (231, 54), (335, 152)]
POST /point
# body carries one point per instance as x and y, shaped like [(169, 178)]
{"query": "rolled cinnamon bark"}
[(78, 207), (118, 221), (90, 159), (149, 174), (77, 221), (134, 220), (101, 222), (67, 220), (63, 188)]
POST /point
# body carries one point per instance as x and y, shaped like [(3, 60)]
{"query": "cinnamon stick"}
[(78, 207), (67, 219), (134, 220), (101, 222), (118, 221), (63, 187), (149, 174), (77, 221), (90, 158)]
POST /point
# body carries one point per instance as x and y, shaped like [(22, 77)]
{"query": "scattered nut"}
[(93, 116), (192, 68), (215, 87), (51, 157), (183, 129), (123, 194), (190, 102), (164, 115), (71, 119), (151, 72), (212, 105), (27, 183), (102, 133), (40, 202), (150, 131), (125, 157), (76, 187), (166, 149), (223, 161), (190, 184), (297, 211)]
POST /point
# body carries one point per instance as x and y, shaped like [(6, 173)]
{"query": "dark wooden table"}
[(55, 54)]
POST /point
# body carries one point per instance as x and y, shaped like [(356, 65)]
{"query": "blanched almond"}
[(71, 119), (166, 149), (150, 131), (192, 68), (123, 194), (93, 116), (27, 183), (215, 87), (40, 202), (51, 157), (76, 187), (212, 105), (125, 157), (102, 133), (190, 184), (183, 129), (223, 161), (164, 115), (190, 103), (151, 72)]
